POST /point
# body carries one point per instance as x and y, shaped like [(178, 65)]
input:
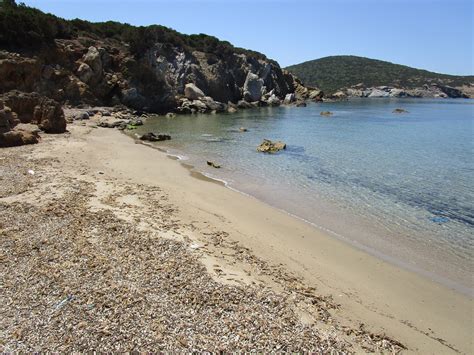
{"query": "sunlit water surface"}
[(400, 186)]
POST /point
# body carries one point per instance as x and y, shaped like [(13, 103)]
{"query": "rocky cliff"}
[(145, 68)]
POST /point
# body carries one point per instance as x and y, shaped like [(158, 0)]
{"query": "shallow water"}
[(400, 186)]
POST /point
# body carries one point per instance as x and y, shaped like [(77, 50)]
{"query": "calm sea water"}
[(400, 186)]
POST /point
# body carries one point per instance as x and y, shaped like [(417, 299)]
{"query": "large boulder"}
[(93, 59), (8, 119), (273, 100), (35, 108), (13, 134), (315, 95), (192, 92), (154, 137), (267, 146), (85, 73), (339, 95), (253, 87), (214, 105), (17, 137)]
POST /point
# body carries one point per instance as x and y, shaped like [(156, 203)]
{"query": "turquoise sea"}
[(400, 186)]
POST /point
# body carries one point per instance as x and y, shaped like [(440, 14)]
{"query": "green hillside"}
[(335, 72)]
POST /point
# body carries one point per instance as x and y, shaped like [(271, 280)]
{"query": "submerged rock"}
[(399, 110), (152, 137), (214, 165), (267, 146), (326, 113)]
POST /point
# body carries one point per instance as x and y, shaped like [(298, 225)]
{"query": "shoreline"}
[(370, 293), (183, 159), (379, 257)]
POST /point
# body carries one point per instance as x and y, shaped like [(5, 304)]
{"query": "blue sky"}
[(429, 34)]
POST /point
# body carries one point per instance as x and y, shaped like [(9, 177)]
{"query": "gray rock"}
[(253, 88), (93, 59), (273, 100), (82, 116), (192, 92), (153, 137), (213, 105), (85, 73)]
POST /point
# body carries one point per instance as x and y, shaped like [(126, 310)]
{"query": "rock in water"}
[(399, 110), (192, 92), (326, 113), (243, 129), (267, 146), (273, 100), (253, 88), (152, 137), (214, 165)]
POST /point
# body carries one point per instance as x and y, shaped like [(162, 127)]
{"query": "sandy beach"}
[(108, 244)]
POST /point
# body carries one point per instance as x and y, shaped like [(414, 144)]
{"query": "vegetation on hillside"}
[(333, 73), (23, 27)]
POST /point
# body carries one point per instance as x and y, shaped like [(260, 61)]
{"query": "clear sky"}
[(429, 34)]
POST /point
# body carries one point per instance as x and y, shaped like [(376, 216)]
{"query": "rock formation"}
[(154, 137), (267, 146), (427, 91), (19, 110)]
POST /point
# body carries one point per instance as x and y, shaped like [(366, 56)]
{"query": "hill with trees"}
[(335, 72)]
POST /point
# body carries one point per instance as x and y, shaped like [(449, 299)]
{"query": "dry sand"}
[(111, 245)]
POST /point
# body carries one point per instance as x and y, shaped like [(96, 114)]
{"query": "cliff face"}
[(142, 68)]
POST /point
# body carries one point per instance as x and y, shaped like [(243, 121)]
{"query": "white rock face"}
[(289, 98), (273, 100), (192, 92), (253, 88), (379, 93)]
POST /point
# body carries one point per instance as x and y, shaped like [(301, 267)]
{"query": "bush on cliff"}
[(25, 27)]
